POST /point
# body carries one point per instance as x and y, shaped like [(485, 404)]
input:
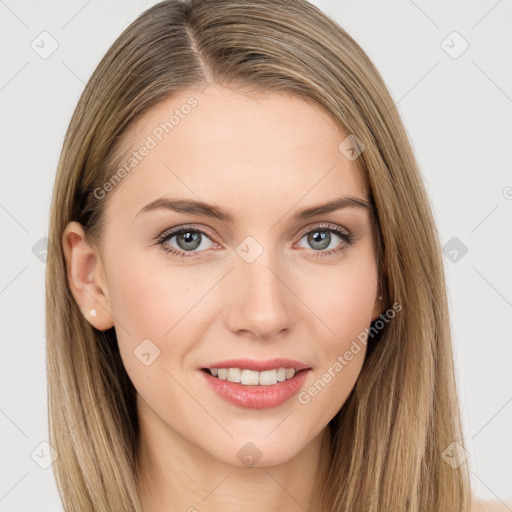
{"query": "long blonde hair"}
[(403, 413)]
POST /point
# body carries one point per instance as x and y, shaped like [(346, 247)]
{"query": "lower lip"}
[(257, 397)]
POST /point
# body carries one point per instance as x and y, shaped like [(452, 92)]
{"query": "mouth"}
[(254, 389), (248, 377)]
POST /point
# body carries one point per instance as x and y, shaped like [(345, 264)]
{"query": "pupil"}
[(189, 237), (324, 236)]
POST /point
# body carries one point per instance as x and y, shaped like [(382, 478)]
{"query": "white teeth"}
[(290, 373), (252, 377), (234, 374), (268, 377), (249, 377)]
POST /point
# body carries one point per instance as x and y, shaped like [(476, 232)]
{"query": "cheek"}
[(342, 299), (343, 302), (164, 303), (150, 299), (156, 310), (349, 306)]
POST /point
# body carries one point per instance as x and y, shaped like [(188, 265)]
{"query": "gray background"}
[(457, 110)]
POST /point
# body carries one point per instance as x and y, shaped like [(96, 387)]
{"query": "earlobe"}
[(86, 277), (380, 301), (378, 307)]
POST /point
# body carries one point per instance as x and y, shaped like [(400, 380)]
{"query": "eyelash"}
[(347, 238)]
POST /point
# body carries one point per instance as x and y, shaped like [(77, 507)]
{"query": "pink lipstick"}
[(279, 380)]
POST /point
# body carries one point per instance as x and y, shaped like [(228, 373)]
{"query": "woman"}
[(248, 307)]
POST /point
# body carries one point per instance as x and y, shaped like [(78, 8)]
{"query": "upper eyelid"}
[(323, 225), (169, 233)]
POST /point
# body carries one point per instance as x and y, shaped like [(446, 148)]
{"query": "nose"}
[(259, 298)]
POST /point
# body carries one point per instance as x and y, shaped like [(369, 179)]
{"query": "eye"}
[(321, 237), (187, 240)]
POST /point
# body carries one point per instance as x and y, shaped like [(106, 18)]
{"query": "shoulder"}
[(486, 506)]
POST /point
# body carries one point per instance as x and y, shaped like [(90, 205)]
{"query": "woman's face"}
[(259, 282)]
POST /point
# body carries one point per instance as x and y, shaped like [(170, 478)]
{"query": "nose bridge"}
[(261, 301)]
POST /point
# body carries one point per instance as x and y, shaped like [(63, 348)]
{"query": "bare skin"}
[(261, 158), (495, 506)]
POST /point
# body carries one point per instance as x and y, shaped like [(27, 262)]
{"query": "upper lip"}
[(253, 364)]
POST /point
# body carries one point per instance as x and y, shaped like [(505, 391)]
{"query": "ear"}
[(379, 306), (86, 277)]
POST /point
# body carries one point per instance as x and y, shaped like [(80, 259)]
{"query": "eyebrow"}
[(217, 212)]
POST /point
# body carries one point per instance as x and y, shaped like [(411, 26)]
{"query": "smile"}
[(251, 395), (252, 377)]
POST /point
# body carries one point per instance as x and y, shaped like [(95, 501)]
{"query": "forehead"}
[(240, 149)]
